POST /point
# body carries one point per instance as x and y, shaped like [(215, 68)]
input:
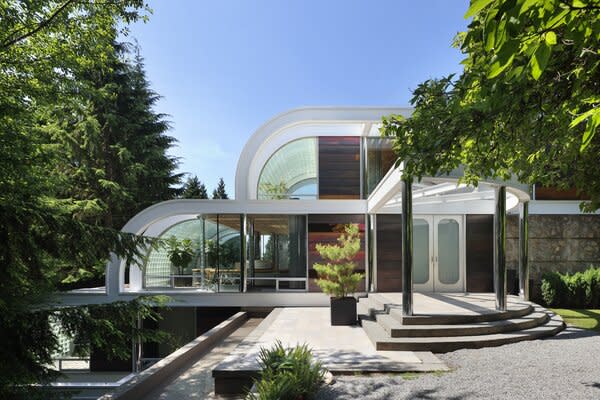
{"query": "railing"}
[(76, 363), (282, 279), (223, 279)]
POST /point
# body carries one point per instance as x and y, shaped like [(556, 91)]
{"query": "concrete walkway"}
[(195, 381), (341, 349)]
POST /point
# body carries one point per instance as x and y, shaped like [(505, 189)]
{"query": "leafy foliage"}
[(28, 347), (180, 252), (275, 191), (194, 189), (287, 373), (337, 277), (80, 151), (578, 290), (219, 192), (525, 104)]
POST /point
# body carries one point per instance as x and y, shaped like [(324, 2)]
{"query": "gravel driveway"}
[(566, 366)]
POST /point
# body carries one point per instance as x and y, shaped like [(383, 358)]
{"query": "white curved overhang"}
[(444, 194), (300, 123)]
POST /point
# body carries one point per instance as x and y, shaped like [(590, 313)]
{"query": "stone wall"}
[(565, 243)]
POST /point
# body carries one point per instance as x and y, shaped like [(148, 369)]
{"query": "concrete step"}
[(382, 340), (450, 319), (396, 329), (368, 307)]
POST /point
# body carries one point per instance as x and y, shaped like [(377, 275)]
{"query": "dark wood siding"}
[(339, 167), (389, 252), (553, 193), (325, 229), (480, 253)]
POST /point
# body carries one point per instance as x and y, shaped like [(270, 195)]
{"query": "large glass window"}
[(216, 264), (276, 252), (380, 158), (291, 172)]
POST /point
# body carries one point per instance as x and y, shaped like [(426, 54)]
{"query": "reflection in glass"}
[(380, 158), (291, 172), (420, 251), (448, 250), (277, 250)]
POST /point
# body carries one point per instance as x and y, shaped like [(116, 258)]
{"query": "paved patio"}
[(341, 349)]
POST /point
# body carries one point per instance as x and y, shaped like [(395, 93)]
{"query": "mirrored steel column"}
[(524, 251), (500, 249), (407, 247)]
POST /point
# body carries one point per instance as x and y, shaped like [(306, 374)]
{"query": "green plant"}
[(287, 373), (337, 277), (578, 290), (180, 253)]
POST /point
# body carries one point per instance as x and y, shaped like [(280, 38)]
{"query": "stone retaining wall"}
[(565, 243)]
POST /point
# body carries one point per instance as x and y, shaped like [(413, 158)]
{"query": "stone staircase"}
[(464, 327)]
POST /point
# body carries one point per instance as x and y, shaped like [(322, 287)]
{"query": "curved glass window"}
[(291, 172), (216, 264)]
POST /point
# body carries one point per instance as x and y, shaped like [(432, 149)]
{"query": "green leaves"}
[(539, 60), (476, 7), (591, 129), (526, 102), (550, 38)]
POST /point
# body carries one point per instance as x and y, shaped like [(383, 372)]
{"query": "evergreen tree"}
[(46, 48), (219, 192), (194, 189)]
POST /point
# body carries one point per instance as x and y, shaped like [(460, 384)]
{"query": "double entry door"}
[(438, 256)]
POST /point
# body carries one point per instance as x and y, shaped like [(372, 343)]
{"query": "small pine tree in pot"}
[(337, 277), (180, 255)]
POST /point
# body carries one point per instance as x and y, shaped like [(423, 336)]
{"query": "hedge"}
[(578, 290)]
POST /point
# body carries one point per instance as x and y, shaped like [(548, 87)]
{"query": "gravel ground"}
[(566, 366)]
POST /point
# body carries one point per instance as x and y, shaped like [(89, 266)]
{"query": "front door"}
[(438, 253)]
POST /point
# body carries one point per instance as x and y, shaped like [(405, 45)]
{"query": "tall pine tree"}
[(194, 189), (219, 192)]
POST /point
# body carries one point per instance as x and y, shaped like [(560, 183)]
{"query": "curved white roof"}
[(299, 123)]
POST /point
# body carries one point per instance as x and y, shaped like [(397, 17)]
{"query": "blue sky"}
[(225, 67)]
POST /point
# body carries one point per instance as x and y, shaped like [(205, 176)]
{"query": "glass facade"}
[(216, 265), (276, 252), (291, 172)]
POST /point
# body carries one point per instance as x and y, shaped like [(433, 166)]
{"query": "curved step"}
[(395, 329), (383, 341), (517, 310)]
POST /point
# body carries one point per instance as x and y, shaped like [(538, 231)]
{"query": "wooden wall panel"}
[(339, 167), (389, 252), (480, 253)]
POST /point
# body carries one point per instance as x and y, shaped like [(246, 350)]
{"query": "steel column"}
[(524, 251), (407, 248), (500, 249)]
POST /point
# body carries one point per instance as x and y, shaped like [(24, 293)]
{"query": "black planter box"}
[(343, 311)]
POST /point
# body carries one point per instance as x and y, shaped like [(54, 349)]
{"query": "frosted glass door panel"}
[(448, 244), (420, 251)]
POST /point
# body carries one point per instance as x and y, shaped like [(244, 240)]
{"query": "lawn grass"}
[(581, 318)]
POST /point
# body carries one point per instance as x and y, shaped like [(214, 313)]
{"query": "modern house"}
[(308, 170)]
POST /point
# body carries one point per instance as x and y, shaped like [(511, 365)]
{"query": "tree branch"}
[(44, 23)]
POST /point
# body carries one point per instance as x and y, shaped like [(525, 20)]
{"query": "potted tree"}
[(337, 277), (180, 253)]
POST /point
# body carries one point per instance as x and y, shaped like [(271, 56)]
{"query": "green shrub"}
[(287, 373), (578, 290), (337, 277)]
